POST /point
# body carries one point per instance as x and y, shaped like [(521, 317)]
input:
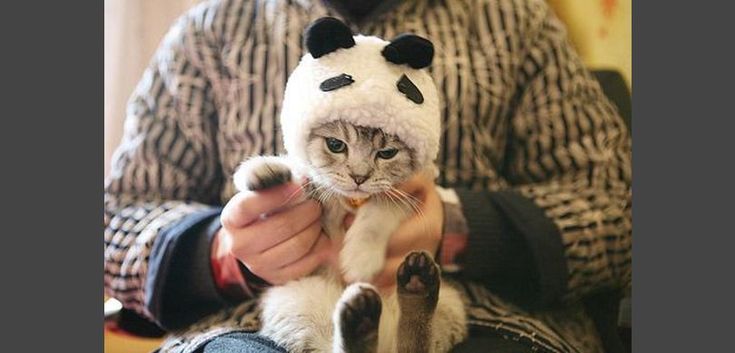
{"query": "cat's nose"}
[(359, 179)]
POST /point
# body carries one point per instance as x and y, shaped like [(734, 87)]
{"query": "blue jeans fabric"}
[(241, 342)]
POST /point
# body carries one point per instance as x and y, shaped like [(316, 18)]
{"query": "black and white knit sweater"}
[(539, 158)]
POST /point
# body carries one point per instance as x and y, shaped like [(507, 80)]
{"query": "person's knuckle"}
[(314, 209), (256, 266), (225, 240), (283, 226), (226, 215), (239, 245), (315, 230), (245, 252), (232, 211), (270, 198), (310, 267), (241, 207), (226, 218), (302, 244), (277, 278), (290, 250)]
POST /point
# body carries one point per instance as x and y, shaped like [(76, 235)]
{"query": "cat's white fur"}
[(300, 315)]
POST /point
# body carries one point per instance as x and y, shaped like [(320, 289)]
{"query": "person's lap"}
[(241, 342)]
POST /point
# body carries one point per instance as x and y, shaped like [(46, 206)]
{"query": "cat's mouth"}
[(344, 189), (357, 193)]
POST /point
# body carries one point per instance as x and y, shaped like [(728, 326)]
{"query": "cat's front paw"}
[(260, 173), (360, 265)]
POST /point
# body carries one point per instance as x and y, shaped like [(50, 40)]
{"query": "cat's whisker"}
[(318, 192), (407, 195), (323, 193), (329, 192), (394, 200), (388, 198), (405, 202), (301, 188), (293, 194), (414, 203)]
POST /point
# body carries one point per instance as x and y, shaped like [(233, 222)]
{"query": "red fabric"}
[(226, 271), (453, 244)]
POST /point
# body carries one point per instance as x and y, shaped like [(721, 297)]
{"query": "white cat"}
[(359, 116)]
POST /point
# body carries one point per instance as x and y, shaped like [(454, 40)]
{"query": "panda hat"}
[(365, 81)]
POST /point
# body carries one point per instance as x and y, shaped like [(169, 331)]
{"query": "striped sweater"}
[(540, 161)]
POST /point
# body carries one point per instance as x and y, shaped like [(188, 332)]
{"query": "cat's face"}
[(357, 161)]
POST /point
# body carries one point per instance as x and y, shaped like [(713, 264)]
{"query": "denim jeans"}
[(241, 342)]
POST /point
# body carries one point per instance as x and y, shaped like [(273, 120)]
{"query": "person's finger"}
[(416, 186), (408, 234), (275, 229), (417, 232), (291, 249), (421, 231), (349, 219), (248, 206), (306, 264), (387, 277)]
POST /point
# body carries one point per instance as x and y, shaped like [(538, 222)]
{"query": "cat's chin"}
[(355, 194)]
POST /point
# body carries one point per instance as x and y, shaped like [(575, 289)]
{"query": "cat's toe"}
[(261, 173), (358, 315), (418, 275)]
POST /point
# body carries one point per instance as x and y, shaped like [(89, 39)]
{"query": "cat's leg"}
[(418, 285), (356, 320), (333, 214), (298, 314), (432, 315), (363, 251), (449, 326)]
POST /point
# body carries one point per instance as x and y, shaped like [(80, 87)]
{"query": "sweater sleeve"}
[(165, 181), (566, 216)]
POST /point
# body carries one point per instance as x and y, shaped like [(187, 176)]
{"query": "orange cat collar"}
[(356, 202)]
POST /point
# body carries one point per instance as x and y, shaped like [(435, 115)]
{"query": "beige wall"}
[(133, 29), (600, 29)]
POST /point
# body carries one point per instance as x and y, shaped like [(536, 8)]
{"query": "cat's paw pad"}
[(358, 314), (261, 173), (418, 275)]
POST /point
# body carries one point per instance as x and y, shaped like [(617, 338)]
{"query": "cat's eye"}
[(335, 145), (387, 154)]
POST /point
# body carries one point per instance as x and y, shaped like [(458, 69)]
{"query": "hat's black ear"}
[(326, 35), (409, 49)]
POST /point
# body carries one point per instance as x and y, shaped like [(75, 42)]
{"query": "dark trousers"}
[(241, 342)]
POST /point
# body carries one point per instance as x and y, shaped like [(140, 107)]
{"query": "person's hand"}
[(422, 231), (285, 244)]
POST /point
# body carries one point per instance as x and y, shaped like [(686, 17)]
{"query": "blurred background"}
[(601, 31)]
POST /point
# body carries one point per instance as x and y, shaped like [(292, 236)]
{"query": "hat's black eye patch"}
[(336, 82), (410, 90)]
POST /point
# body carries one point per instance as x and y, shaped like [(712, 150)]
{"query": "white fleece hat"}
[(365, 81)]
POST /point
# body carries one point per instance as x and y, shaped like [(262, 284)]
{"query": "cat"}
[(318, 313), (359, 117)]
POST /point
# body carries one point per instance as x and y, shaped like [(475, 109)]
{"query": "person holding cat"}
[(533, 216)]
